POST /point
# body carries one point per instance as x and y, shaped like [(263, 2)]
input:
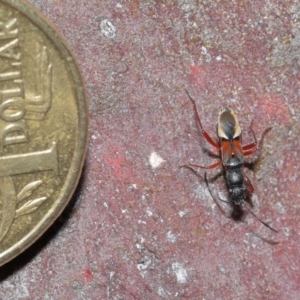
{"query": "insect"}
[(232, 154)]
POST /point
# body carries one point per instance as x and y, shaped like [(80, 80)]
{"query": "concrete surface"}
[(139, 226)]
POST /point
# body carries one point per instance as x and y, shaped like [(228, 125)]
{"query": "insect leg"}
[(258, 146), (248, 184), (217, 164), (205, 134)]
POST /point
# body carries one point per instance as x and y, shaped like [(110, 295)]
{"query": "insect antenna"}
[(264, 223)]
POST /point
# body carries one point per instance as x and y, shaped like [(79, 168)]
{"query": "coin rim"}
[(81, 142)]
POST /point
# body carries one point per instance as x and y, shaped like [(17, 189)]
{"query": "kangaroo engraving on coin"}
[(43, 127)]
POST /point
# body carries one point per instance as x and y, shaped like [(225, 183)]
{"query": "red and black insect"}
[(232, 154)]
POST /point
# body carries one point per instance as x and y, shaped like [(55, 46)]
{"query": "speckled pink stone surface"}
[(139, 226)]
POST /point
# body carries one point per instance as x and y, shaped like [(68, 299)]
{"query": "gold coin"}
[(43, 127)]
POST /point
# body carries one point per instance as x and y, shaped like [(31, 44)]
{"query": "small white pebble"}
[(180, 272), (171, 236), (108, 29), (155, 160)]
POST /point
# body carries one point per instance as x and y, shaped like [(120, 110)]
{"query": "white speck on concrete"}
[(108, 29), (255, 201), (187, 6), (286, 231), (256, 241), (139, 247), (222, 269), (203, 194), (180, 272), (280, 208), (205, 54), (143, 265), (155, 160), (171, 236), (279, 164), (252, 241), (149, 212), (161, 291), (132, 187), (213, 207), (203, 50), (181, 213)]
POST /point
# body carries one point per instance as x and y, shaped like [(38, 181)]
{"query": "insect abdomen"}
[(235, 181)]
